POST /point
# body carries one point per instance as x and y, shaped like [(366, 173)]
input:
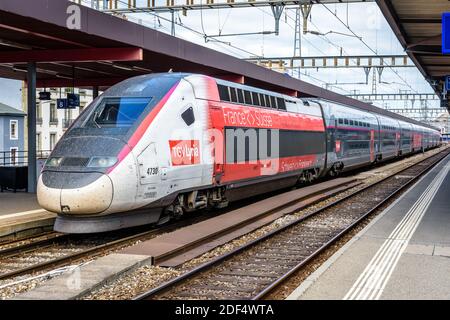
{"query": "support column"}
[(172, 29), (277, 10), (94, 92), (31, 120)]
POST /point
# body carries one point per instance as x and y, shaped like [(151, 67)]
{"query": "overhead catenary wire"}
[(228, 47), (366, 44), (202, 34)]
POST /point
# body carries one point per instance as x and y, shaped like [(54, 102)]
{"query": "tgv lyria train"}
[(162, 145)]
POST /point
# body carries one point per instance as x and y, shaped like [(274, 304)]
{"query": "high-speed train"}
[(159, 146)]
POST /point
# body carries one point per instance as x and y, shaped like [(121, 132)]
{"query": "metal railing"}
[(20, 158)]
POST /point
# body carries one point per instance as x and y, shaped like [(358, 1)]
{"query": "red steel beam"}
[(289, 92), (85, 82), (72, 55), (231, 77)]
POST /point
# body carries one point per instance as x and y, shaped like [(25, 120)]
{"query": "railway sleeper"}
[(221, 288), (248, 274), (293, 256), (188, 295), (240, 278), (281, 250), (250, 267)]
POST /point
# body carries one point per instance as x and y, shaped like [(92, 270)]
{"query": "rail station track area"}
[(277, 247)]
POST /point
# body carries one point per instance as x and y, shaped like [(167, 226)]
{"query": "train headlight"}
[(102, 162), (53, 161)]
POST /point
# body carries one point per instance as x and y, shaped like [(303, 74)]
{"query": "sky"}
[(363, 19), (10, 93)]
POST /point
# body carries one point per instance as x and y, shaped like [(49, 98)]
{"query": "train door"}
[(331, 134), (372, 145), (149, 170), (217, 142), (398, 142)]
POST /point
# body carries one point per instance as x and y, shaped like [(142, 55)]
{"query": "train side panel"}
[(353, 137), (389, 137), (406, 137)]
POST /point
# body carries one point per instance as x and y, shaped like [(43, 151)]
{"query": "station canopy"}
[(103, 49), (418, 26)]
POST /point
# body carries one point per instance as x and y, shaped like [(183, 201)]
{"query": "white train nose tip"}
[(93, 198)]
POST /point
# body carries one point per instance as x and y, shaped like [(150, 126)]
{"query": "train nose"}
[(80, 193)]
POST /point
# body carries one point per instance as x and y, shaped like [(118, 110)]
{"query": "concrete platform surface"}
[(17, 202), (20, 214), (84, 279), (404, 253)]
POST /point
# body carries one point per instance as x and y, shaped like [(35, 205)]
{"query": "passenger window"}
[(188, 116), (345, 121), (256, 99), (351, 122), (247, 97), (240, 96), (224, 94), (262, 99), (233, 95), (281, 104), (273, 102), (341, 121), (266, 97)]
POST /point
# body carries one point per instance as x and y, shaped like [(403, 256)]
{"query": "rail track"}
[(15, 243), (50, 250), (253, 270), (56, 249)]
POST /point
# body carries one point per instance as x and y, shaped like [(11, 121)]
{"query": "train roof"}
[(135, 86), (369, 108)]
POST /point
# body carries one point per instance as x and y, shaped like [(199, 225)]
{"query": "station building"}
[(11, 134), (51, 122)]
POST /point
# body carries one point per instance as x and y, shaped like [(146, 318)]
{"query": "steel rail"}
[(10, 242), (338, 236), (216, 261), (83, 253), (52, 239), (60, 261)]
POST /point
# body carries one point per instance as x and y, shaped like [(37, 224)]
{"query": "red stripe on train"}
[(138, 134), (240, 171)]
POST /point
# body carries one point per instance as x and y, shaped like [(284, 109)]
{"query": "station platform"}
[(20, 215), (403, 253)]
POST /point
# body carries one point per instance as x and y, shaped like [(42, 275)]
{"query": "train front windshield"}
[(116, 112), (121, 108)]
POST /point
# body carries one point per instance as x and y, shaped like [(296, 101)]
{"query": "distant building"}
[(11, 135), (53, 122)]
